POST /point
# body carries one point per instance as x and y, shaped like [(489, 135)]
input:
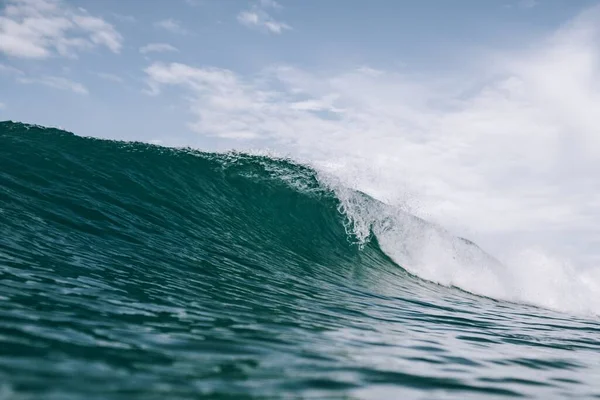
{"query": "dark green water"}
[(130, 271)]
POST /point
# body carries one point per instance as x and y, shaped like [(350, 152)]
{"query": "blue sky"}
[(408, 36), (479, 115)]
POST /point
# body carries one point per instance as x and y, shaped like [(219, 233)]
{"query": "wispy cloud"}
[(270, 4), (528, 3), (9, 70), (157, 48), (110, 77), (42, 28), (370, 71), (258, 18), (56, 82), (2, 105), (194, 3), (512, 152), (172, 26), (50, 81), (124, 18)]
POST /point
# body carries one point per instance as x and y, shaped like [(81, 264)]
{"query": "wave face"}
[(134, 271)]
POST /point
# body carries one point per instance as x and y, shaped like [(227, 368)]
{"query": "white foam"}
[(429, 251)]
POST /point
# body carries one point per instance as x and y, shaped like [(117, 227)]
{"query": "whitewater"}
[(129, 270)]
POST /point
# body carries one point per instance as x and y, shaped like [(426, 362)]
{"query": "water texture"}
[(131, 271)]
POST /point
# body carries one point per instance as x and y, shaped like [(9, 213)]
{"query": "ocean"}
[(133, 271)]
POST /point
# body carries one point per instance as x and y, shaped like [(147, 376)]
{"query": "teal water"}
[(131, 271)]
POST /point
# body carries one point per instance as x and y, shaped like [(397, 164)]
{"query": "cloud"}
[(2, 105), (194, 3), (124, 18), (157, 48), (41, 28), (9, 70), (172, 26), (110, 77), (510, 150), (56, 83), (269, 4), (258, 18), (528, 3), (50, 81), (370, 71)]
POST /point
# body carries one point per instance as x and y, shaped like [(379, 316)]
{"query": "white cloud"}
[(41, 28), (370, 71), (194, 3), (511, 153), (9, 70), (56, 82), (110, 77), (258, 18), (157, 48), (124, 18), (2, 106), (270, 4), (51, 81), (172, 26), (528, 3), (100, 31)]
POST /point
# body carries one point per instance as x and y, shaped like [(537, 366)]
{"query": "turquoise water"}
[(131, 271)]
